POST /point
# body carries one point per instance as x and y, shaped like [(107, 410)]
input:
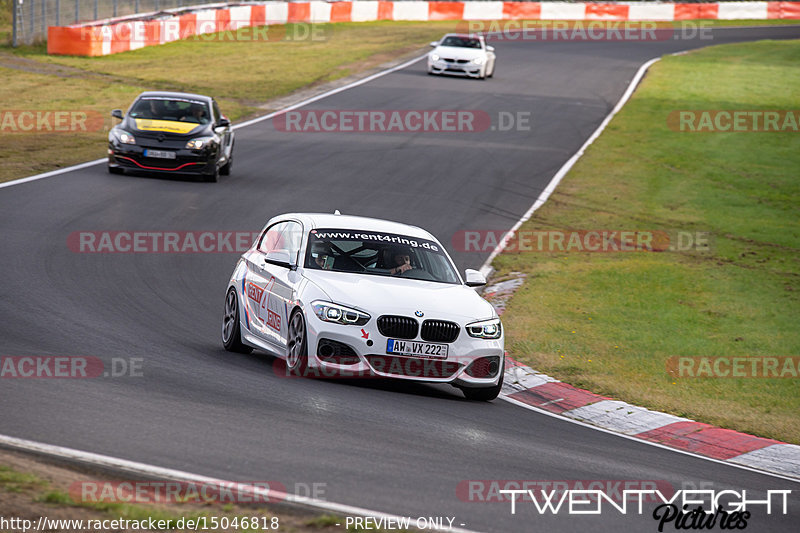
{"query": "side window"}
[(291, 239), (283, 237), (270, 240), (217, 114)]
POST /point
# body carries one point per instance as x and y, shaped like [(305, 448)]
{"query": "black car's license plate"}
[(161, 154)]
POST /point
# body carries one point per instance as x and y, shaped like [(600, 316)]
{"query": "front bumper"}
[(186, 161), (468, 69), (368, 357)]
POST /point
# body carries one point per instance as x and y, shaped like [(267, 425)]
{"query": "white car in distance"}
[(462, 55), (347, 296)]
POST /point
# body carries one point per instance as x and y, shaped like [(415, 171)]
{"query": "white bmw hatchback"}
[(347, 296), (462, 55)]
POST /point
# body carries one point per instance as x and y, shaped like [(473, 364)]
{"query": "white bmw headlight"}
[(479, 60), (200, 142), (434, 57), (486, 329), (339, 314)]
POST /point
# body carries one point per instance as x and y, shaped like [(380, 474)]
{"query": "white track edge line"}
[(545, 194), (508, 399), (302, 103), (178, 475), (52, 173)]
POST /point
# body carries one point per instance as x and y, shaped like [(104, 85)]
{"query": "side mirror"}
[(490, 48), (223, 122), (474, 278), (117, 113), (280, 258), (434, 43)]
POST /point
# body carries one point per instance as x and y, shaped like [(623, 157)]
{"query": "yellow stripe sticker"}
[(169, 126)]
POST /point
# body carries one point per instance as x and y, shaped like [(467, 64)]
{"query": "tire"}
[(492, 74), (485, 394), (115, 170), (297, 345), (226, 168), (212, 178), (231, 328)]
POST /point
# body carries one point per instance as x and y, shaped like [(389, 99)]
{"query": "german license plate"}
[(161, 154), (423, 350)]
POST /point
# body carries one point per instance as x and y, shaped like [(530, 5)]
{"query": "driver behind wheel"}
[(323, 255), (402, 261)]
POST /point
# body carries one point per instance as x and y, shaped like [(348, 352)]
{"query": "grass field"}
[(608, 322), (241, 74)]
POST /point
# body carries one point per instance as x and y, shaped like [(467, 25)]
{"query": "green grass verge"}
[(13, 481), (22, 493), (608, 322)]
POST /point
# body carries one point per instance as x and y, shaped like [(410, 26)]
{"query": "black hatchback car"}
[(172, 133)]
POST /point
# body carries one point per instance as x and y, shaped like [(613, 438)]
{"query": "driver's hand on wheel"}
[(403, 264)]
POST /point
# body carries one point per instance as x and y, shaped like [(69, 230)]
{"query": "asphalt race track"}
[(389, 447)]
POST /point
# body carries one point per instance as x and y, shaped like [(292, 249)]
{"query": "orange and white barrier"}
[(120, 35)]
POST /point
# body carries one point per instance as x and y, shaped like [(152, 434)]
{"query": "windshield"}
[(175, 109), (380, 254), (461, 42)]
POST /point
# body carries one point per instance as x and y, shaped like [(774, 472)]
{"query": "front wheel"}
[(231, 328), (297, 347), (484, 394), (214, 176)]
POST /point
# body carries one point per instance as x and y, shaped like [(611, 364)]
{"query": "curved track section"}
[(392, 447)]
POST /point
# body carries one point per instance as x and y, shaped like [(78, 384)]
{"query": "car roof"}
[(352, 222), (465, 35), (170, 94)]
